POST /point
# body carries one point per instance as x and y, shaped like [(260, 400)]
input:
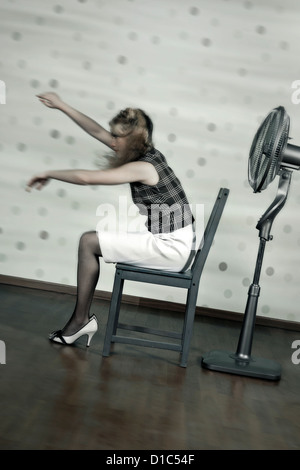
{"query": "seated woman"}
[(168, 238)]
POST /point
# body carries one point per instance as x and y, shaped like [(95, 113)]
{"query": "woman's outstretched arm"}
[(52, 100), (143, 172)]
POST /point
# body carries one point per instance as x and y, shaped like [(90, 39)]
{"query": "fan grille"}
[(267, 149)]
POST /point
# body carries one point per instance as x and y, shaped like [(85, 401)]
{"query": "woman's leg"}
[(88, 271)]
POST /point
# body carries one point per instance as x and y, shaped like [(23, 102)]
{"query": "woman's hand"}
[(38, 182), (50, 99)]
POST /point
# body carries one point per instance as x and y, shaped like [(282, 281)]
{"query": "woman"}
[(167, 240)]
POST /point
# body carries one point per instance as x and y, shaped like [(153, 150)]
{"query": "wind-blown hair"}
[(137, 126)]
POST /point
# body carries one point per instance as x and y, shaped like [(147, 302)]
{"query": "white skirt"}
[(165, 251)]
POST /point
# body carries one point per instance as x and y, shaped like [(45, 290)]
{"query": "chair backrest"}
[(209, 233)]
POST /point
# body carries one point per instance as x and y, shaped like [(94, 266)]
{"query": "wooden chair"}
[(189, 280)]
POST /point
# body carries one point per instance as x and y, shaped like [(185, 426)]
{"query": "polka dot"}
[(75, 205), (20, 246), (250, 220), (223, 266), (110, 105), (48, 160), (102, 45), (55, 133), (173, 112), (248, 4), (87, 65), (284, 45), (260, 29), (34, 83), (21, 147), (74, 163), (246, 282), (242, 246), (265, 57), (77, 36), (248, 99), (214, 152), (265, 309), (44, 235), (288, 277), (291, 317), (55, 54), (206, 42), (184, 35), (118, 20), (53, 83), (58, 9), (227, 293), (242, 72), (122, 60), (190, 173), (3, 257), (61, 193), (201, 161), (37, 120), (40, 20), (16, 210), (270, 271), (155, 40), (211, 126), (133, 36), (70, 140), (43, 211), (215, 22), (224, 183), (16, 36), (171, 137), (22, 64), (82, 93), (194, 11), (39, 273), (287, 229), (62, 241)]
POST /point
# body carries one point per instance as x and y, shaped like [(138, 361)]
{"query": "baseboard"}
[(149, 303)]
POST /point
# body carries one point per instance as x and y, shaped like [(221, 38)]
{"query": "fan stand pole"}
[(241, 362)]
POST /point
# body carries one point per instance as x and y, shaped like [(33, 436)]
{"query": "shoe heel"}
[(90, 336)]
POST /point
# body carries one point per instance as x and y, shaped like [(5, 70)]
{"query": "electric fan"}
[(270, 155)]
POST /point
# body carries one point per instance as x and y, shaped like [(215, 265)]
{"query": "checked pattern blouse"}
[(165, 204)]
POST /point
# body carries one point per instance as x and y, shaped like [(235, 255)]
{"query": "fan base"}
[(223, 361)]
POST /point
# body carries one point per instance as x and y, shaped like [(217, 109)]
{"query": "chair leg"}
[(113, 315), (188, 325), (118, 305)]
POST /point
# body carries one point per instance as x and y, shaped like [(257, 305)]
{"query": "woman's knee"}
[(89, 241)]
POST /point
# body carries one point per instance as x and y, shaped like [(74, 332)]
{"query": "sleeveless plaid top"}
[(165, 204)]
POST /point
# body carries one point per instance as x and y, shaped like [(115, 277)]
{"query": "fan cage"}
[(267, 149)]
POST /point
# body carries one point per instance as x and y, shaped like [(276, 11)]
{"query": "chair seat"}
[(128, 267)]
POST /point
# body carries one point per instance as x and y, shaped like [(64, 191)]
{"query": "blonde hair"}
[(137, 126)]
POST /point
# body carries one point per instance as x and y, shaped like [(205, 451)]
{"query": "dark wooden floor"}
[(58, 397)]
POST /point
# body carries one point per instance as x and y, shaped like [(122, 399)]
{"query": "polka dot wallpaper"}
[(207, 72)]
